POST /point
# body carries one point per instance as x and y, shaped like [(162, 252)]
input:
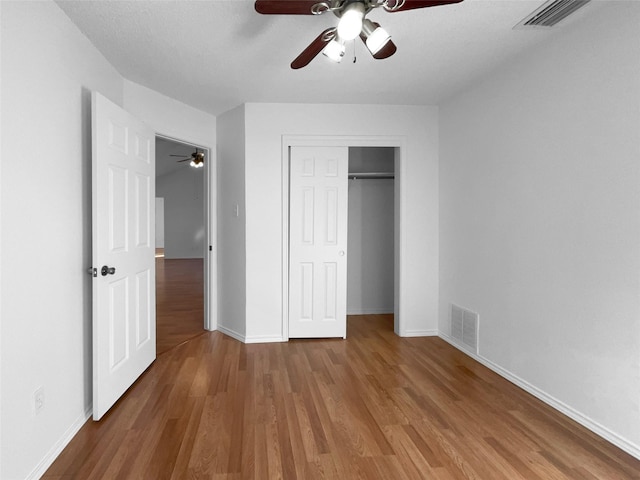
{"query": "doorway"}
[(395, 148), (181, 241), (371, 262)]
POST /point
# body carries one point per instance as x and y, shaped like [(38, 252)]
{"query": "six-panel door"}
[(123, 209), (318, 242)]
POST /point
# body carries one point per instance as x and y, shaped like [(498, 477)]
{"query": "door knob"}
[(107, 271), (341, 253)]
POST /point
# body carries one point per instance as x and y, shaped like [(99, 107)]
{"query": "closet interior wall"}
[(370, 263)]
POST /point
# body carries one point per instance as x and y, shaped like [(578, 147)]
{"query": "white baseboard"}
[(264, 339), (253, 339), (51, 456), (231, 333), (612, 437), (418, 333)]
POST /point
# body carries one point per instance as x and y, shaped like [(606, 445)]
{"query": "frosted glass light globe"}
[(350, 24), (377, 40), (334, 50)]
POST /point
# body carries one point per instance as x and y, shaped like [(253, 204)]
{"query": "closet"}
[(370, 263)]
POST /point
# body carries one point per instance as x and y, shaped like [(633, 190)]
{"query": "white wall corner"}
[(232, 333)]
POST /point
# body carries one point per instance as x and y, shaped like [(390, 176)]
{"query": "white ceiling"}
[(217, 54)]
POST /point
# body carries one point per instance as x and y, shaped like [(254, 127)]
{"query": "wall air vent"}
[(551, 13), (464, 328)]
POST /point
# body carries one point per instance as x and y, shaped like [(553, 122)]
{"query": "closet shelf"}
[(370, 175)]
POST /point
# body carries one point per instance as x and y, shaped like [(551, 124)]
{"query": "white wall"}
[(48, 70), (265, 126), (370, 259), (1, 235), (171, 118), (232, 270), (540, 224), (184, 232)]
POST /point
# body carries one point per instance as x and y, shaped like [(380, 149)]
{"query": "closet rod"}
[(370, 175)]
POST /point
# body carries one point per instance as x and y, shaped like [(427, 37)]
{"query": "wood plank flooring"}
[(179, 301), (374, 406)]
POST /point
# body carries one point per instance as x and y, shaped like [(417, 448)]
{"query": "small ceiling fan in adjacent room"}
[(352, 24), (197, 159)]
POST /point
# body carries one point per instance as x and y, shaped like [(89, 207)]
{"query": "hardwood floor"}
[(179, 301), (374, 406)]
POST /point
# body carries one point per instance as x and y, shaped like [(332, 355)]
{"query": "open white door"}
[(124, 303), (318, 242)]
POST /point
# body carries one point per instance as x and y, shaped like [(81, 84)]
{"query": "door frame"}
[(399, 143), (210, 248)]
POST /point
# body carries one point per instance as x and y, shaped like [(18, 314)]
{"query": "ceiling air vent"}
[(551, 13)]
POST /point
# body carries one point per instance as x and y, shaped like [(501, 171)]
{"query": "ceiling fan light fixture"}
[(195, 164), (350, 24), (334, 50), (377, 37)]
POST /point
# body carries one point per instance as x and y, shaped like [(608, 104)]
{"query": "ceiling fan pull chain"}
[(354, 50)]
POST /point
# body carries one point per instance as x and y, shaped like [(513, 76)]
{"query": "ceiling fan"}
[(352, 23), (197, 159)]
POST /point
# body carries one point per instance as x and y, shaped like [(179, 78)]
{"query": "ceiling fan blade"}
[(314, 48), (184, 160), (172, 155), (401, 5), (285, 7)]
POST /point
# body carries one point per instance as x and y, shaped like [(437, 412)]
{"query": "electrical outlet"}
[(38, 400)]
